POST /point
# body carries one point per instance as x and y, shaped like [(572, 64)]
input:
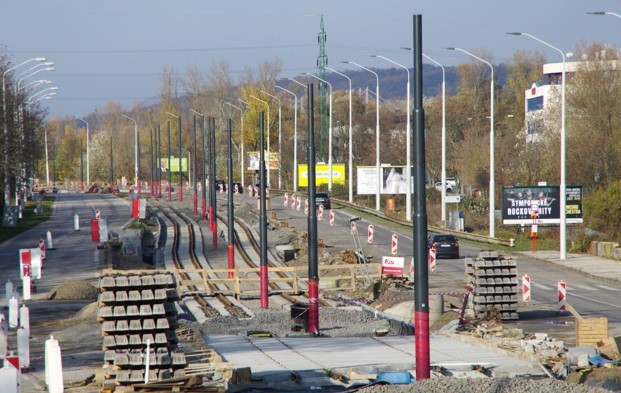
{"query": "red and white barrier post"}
[(370, 234), (332, 216), (320, 214), (306, 207), (562, 295), (526, 288), (394, 245), (432, 259), (354, 231), (286, 201), (299, 204)]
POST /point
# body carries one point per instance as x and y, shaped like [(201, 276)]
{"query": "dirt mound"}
[(75, 290), (87, 313)]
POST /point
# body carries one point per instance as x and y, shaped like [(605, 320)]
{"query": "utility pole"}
[(322, 62)]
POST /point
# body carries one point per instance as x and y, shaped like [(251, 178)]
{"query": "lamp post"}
[(180, 153), (604, 13), (47, 66), (443, 133), (492, 181), (295, 137), (203, 166), (241, 121), (350, 161), (279, 137), (36, 83), (136, 171), (7, 191), (563, 186), (88, 175), (408, 159), (377, 135), (330, 174), (50, 91), (269, 161)]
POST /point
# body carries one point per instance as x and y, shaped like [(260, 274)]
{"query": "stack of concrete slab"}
[(494, 279), (137, 314)]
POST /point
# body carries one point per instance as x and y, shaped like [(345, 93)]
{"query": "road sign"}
[(370, 234), (562, 295), (432, 259), (453, 199)]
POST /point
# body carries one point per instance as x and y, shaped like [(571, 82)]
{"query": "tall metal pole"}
[(350, 160), (111, 164), (47, 163), (231, 226), (241, 160), (268, 138), (195, 170), (313, 268), (330, 174), (408, 133), (136, 171), (214, 206), (443, 137), (263, 216), (377, 136), (180, 156), (421, 272), (492, 181), (204, 169), (169, 165), (563, 185), (88, 161), (159, 161), (152, 161), (295, 137), (279, 138), (81, 168)]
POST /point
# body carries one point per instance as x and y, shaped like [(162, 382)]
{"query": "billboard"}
[(174, 164), (520, 203), (322, 174), (253, 157), (393, 180)]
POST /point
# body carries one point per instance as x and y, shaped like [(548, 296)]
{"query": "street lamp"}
[(269, 161), (279, 137), (377, 134), (351, 162), (34, 84), (329, 129), (492, 181), (563, 196), (47, 66), (88, 176), (443, 133), (295, 137), (180, 154), (603, 13), (7, 193), (136, 171), (408, 171), (241, 165)]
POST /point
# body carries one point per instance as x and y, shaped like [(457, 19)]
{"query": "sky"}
[(116, 50)]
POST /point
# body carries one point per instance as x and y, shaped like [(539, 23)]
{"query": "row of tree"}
[(593, 125)]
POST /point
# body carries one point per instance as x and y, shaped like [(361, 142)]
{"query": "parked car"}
[(55, 190), (445, 244), (322, 198), (449, 188)]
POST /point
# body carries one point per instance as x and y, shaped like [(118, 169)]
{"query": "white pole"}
[(268, 136), (88, 175), (47, 162), (295, 137)]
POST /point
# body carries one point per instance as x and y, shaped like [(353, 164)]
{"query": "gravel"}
[(74, 290), (333, 322), (487, 385)]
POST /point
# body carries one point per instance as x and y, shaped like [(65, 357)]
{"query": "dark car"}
[(220, 184), (445, 245), (322, 198), (240, 188)]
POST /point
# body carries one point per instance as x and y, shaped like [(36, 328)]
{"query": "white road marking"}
[(608, 288)]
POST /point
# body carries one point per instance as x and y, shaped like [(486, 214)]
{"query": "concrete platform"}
[(275, 359)]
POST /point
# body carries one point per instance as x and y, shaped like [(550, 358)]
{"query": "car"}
[(322, 198), (444, 244), (240, 188), (438, 186), (55, 190)]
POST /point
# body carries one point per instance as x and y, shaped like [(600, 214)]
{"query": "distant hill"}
[(392, 81)]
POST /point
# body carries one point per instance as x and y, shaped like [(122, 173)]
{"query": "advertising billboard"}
[(322, 174), (393, 180), (253, 157), (540, 205), (174, 164)]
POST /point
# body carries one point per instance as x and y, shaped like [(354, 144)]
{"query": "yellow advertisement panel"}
[(322, 174), (252, 159)]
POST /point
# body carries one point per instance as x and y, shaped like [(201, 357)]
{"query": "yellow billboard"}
[(322, 173)]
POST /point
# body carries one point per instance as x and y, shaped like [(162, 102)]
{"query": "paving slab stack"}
[(136, 311), (493, 278)]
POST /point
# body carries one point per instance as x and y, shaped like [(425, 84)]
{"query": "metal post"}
[(263, 216), (169, 165), (313, 268), (231, 226)]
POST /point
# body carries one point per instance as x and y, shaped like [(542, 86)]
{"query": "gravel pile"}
[(487, 385), (75, 290), (333, 322)]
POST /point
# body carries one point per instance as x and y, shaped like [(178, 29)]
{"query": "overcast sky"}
[(115, 50)]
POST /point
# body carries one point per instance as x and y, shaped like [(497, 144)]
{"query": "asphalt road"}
[(589, 296), (74, 256)]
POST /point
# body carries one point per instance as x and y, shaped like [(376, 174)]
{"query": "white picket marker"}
[(23, 347), (286, 200), (24, 317), (8, 287), (50, 243), (370, 234), (53, 366), (13, 313), (76, 222), (26, 287), (10, 378), (293, 201), (4, 338)]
